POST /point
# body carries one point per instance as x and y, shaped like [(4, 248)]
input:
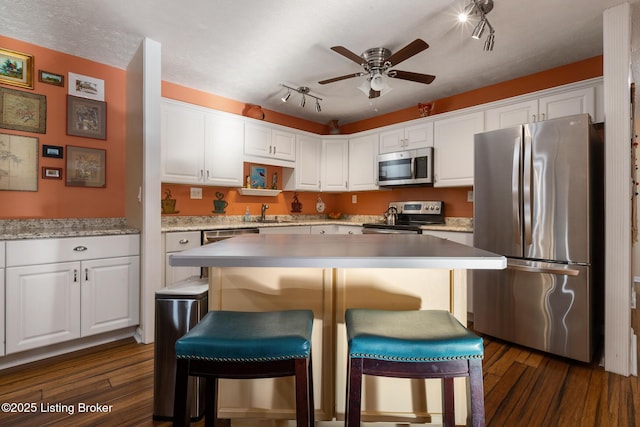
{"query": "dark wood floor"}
[(522, 388)]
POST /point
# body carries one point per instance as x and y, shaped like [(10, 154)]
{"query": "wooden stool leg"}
[(181, 399), (448, 403), (302, 393), (211, 402), (312, 409), (354, 393), (476, 392)]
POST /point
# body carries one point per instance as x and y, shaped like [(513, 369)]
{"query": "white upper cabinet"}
[(407, 138), (569, 103), (363, 152), (511, 115), (223, 151), (200, 146), (453, 149), (181, 143), (306, 175), (269, 143), (552, 106), (335, 165)]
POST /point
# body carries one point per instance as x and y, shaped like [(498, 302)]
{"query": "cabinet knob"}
[(86, 274), (75, 275), (80, 249), (321, 231), (183, 241)]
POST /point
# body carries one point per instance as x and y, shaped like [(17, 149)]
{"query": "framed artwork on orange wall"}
[(20, 110), (86, 117), (16, 68), (86, 167)]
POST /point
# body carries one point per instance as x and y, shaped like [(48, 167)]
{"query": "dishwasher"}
[(212, 236)]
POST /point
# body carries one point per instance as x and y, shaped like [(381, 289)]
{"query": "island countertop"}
[(339, 251)]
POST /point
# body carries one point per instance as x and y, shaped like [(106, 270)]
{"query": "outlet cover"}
[(196, 193), (354, 198), (470, 196)]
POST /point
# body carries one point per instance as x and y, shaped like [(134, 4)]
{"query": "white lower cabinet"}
[(74, 296), (176, 242), (289, 229)]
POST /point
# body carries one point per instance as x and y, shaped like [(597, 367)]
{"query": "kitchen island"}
[(327, 274)]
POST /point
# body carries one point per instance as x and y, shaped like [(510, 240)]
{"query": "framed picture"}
[(86, 167), (23, 111), (18, 162), (86, 117), (50, 78), (52, 151), (16, 68), (51, 173), (86, 87), (258, 177)]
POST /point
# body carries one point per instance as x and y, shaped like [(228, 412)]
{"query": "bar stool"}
[(413, 344), (240, 345)]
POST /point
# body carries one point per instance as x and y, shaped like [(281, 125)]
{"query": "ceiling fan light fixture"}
[(377, 82)]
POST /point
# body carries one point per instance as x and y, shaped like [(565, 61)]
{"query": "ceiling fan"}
[(377, 62)]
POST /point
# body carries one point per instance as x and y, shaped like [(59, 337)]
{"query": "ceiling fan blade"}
[(416, 46), (348, 54), (414, 77), (337, 79)]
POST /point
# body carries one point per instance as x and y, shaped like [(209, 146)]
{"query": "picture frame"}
[(18, 162), (52, 151), (16, 68), (23, 111), (50, 78), (258, 177), (51, 173), (86, 117), (86, 167), (86, 87)]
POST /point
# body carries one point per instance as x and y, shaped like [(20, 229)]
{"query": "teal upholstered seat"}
[(248, 336), (245, 345), (413, 344), (410, 336)]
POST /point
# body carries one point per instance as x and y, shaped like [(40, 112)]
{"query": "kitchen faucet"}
[(263, 209)]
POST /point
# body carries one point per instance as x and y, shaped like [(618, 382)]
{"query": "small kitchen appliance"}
[(407, 217), (411, 167)]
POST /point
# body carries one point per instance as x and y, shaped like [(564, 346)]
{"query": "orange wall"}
[(53, 199)]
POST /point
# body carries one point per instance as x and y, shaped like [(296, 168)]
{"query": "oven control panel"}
[(419, 207)]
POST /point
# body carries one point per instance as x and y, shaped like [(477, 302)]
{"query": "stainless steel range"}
[(407, 217)]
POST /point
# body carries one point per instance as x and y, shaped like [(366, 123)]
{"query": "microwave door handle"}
[(413, 167)]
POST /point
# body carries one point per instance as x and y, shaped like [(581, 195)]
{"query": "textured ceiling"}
[(245, 49)]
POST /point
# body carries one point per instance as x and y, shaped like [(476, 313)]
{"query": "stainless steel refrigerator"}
[(538, 200)]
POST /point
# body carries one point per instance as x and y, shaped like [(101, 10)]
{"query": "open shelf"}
[(258, 192)]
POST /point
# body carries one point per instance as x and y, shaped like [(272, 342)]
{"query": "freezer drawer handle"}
[(543, 269)]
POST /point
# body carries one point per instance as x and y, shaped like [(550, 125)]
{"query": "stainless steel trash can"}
[(179, 308)]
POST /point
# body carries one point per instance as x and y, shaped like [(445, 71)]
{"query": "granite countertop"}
[(196, 223), (17, 229)]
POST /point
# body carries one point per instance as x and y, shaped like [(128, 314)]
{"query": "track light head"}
[(488, 43), (479, 29), (286, 96)]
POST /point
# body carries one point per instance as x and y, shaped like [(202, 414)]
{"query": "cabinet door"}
[(453, 149), (110, 294), (182, 142), (292, 229), (284, 144), (419, 136), (579, 101), (392, 140), (44, 305), (307, 170), (511, 115), (363, 152), (335, 165), (257, 140), (176, 242), (349, 229), (223, 150)]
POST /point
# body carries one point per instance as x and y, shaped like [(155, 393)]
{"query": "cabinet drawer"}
[(45, 251), (179, 241)]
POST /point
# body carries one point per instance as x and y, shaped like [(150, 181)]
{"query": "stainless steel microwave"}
[(409, 167)]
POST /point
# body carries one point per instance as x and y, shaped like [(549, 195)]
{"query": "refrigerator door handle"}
[(542, 268), (526, 188), (515, 191)]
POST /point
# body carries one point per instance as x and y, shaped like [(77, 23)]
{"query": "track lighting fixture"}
[(304, 91), (481, 8)]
